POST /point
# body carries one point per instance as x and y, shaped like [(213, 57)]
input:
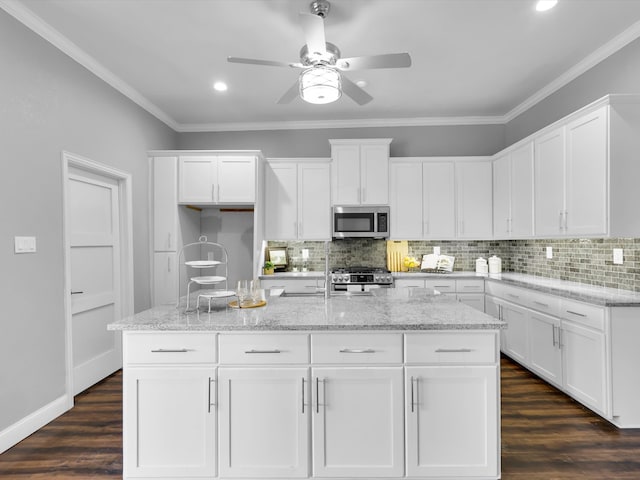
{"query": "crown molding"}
[(21, 13), (617, 43), (46, 31), (352, 123)]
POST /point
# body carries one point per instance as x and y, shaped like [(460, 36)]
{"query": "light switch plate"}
[(618, 256), (25, 244), (436, 250), (549, 252)]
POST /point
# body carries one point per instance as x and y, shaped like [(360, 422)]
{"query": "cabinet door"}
[(236, 179), (439, 201), (374, 174), (521, 224), (196, 179), (493, 306), (516, 335), (165, 204), (314, 201), (169, 419), (475, 300), (475, 197), (587, 175), (406, 201), (358, 422), (345, 174), (165, 278), (502, 196), (584, 365), (545, 355), (281, 214), (549, 175), (264, 422), (452, 421)]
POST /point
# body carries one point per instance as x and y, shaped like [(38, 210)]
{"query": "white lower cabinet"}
[(584, 364), (545, 353), (358, 422), (517, 332), (169, 420), (264, 422), (452, 418)]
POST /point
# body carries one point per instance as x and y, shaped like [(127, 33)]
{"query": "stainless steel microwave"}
[(362, 222)]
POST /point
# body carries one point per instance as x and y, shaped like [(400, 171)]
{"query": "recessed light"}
[(361, 83), (220, 87), (544, 5)]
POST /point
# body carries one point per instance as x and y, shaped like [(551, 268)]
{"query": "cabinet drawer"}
[(590, 315), (450, 348), (356, 348), (507, 292), (264, 349), (544, 303), (409, 282), (164, 347), (470, 286), (441, 284), (293, 285)]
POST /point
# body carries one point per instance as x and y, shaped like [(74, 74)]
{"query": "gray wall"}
[(620, 73), (48, 103), (407, 141)]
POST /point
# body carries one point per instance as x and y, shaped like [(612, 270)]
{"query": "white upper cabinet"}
[(586, 180), (422, 199), (297, 200), (360, 172), (165, 203), (217, 179), (474, 198), (549, 175), (513, 193), (584, 171), (438, 199)]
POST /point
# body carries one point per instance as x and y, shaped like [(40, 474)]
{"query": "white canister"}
[(495, 264), (481, 266)]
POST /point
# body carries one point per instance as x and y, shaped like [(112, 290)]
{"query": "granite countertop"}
[(391, 309), (606, 297)]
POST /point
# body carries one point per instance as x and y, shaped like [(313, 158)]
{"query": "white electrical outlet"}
[(24, 244), (549, 252), (436, 250), (618, 256)]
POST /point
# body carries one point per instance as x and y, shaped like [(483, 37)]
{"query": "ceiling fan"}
[(321, 80)]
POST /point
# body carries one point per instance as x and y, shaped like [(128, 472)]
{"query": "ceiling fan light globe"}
[(320, 85)]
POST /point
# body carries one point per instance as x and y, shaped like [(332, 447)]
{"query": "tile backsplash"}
[(588, 261)]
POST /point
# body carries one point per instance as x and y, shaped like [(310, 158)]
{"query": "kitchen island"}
[(403, 383)]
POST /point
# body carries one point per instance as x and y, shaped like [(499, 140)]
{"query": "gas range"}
[(362, 277)]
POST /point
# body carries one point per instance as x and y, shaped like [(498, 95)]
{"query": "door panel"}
[(94, 257)]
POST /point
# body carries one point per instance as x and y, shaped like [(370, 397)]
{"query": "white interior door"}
[(94, 258)]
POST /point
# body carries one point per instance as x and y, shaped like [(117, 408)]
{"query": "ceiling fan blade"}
[(269, 63), (313, 27), (290, 94), (355, 92), (389, 60)]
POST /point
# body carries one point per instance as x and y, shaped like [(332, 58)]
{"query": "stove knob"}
[(345, 278)]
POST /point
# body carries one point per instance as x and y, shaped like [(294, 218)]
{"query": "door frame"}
[(125, 205)]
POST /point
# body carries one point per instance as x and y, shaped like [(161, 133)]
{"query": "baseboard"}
[(29, 424)]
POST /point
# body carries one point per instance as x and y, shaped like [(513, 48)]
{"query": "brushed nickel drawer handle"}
[(454, 350), (357, 350), (541, 304), (262, 351), (576, 313), (512, 295), (170, 350)]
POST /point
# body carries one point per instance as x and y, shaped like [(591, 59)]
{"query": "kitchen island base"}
[(346, 404)]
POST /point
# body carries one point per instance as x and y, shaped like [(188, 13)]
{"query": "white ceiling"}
[(474, 61)]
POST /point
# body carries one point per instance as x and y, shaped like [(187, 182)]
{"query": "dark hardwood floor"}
[(545, 436)]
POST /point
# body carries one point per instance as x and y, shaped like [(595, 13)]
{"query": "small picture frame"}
[(278, 257)]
